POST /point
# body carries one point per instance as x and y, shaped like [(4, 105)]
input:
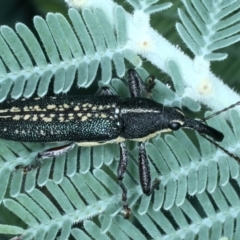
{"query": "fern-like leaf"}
[(68, 50), (212, 26), (81, 193)]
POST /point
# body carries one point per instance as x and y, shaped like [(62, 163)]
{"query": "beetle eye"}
[(174, 125)]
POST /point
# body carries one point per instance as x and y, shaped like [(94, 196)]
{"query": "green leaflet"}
[(66, 50), (204, 30)]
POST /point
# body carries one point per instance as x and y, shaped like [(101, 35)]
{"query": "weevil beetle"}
[(95, 120)]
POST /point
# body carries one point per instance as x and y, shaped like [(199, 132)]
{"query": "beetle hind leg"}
[(55, 152), (122, 167), (49, 153), (144, 172)]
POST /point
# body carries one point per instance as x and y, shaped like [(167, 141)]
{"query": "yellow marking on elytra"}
[(5, 116), (26, 109), (94, 108), (42, 115), (79, 114), (61, 119), (27, 116), (70, 117), (89, 105), (96, 114), (89, 114), (85, 105), (17, 117), (103, 115), (76, 108), (51, 106), (35, 117), (15, 109), (52, 115), (84, 118), (37, 108), (47, 119), (4, 110), (85, 109), (66, 106), (100, 107)]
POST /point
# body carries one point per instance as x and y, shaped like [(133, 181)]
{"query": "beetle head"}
[(177, 120)]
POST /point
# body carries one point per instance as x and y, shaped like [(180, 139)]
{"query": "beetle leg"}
[(55, 152), (104, 91), (136, 84), (49, 153), (122, 167), (144, 172)]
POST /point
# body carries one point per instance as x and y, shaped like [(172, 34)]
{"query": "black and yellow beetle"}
[(94, 120)]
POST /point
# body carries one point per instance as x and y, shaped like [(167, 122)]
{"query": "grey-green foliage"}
[(211, 26), (195, 199), (76, 48)]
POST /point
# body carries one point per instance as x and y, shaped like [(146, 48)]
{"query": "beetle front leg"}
[(136, 84), (104, 91), (144, 172), (122, 167)]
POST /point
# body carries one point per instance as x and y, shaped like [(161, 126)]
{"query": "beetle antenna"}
[(220, 147), (218, 112)]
